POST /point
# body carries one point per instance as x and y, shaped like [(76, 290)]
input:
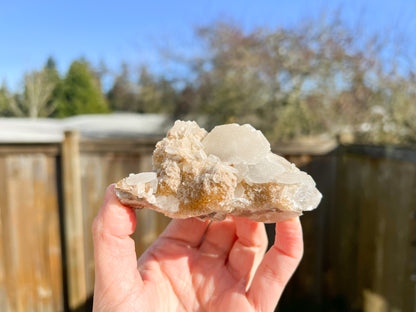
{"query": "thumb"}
[(114, 250)]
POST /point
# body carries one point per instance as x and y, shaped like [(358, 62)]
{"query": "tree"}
[(123, 96), (312, 78), (6, 100), (50, 64), (80, 92), (228, 84), (185, 102), (38, 92), (150, 94), (156, 95), (52, 76), (36, 100)]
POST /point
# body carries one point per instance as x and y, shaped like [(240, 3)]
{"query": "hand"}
[(191, 266)]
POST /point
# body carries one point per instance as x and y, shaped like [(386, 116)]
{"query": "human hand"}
[(191, 266)]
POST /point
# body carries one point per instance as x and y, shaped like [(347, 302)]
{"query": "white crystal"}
[(264, 171), (229, 170), (169, 203), (143, 177), (239, 191), (233, 143)]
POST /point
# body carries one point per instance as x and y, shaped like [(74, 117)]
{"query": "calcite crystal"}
[(230, 170)]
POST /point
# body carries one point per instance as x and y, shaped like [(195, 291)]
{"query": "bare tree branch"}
[(38, 91)]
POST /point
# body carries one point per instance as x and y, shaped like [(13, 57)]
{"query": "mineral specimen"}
[(230, 170)]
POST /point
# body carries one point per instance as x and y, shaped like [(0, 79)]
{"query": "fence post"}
[(73, 220)]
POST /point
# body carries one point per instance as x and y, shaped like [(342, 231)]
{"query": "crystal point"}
[(233, 143)]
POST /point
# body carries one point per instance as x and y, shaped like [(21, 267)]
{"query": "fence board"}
[(52, 243), (29, 217), (73, 218), (4, 298)]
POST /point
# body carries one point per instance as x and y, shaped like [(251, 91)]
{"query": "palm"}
[(203, 276), (193, 267)]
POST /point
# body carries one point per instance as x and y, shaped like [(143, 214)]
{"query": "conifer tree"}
[(80, 92)]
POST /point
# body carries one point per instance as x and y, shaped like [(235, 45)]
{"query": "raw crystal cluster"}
[(230, 170)]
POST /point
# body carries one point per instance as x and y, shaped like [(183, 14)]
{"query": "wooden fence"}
[(359, 244), (49, 196), (360, 250)]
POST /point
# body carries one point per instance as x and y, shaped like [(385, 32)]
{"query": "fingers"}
[(248, 249), (218, 239), (277, 266), (186, 231), (114, 250)]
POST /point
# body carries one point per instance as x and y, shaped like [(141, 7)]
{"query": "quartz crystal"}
[(230, 170)]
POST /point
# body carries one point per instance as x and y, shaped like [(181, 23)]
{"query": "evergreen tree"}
[(50, 63), (52, 77), (5, 98), (151, 93), (156, 95), (123, 96), (51, 71), (80, 92)]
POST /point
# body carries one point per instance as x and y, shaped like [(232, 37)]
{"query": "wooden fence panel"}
[(30, 238), (391, 184), (371, 254), (359, 243)]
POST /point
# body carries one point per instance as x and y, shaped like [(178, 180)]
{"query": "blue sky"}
[(113, 31)]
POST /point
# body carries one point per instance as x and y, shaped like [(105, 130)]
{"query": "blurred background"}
[(88, 87)]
